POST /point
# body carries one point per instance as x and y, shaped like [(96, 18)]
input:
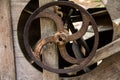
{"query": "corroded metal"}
[(61, 37)]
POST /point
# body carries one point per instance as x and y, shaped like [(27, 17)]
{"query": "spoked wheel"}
[(60, 38)]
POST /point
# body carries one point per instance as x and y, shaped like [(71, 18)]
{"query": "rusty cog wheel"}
[(61, 37)]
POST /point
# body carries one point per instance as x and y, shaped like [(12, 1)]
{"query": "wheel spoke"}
[(81, 32), (40, 45), (54, 17), (67, 57)]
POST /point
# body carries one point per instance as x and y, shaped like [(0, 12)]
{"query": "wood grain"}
[(24, 70), (106, 51), (113, 8), (50, 54), (109, 69), (7, 66)]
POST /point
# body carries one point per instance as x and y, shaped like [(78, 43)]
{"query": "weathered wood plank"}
[(113, 7), (24, 70), (7, 66), (109, 69), (106, 51), (50, 53)]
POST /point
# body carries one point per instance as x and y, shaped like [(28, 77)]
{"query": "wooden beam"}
[(50, 54), (24, 70), (113, 8), (109, 69), (7, 66), (106, 51)]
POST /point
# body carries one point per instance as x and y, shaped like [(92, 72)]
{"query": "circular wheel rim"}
[(39, 63)]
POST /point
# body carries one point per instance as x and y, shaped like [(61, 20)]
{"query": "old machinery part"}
[(61, 37)]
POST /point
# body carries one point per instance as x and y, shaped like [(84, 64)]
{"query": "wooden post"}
[(7, 66), (50, 52), (113, 7), (24, 70)]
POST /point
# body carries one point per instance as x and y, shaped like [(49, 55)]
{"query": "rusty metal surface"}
[(61, 37)]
